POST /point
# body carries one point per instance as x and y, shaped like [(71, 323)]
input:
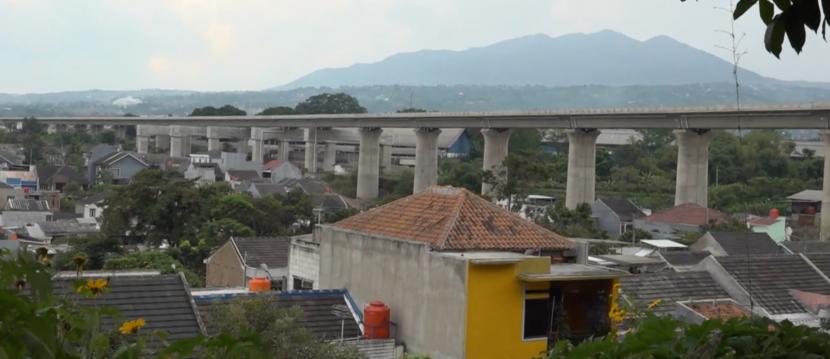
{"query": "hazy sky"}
[(255, 44)]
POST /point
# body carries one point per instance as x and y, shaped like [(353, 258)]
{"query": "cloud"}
[(159, 64), (221, 39)]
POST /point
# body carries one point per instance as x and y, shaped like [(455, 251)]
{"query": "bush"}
[(157, 260)]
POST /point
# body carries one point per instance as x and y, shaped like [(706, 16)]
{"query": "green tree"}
[(157, 260), (329, 103), (277, 110), (787, 18), (226, 110), (575, 223), (410, 110)]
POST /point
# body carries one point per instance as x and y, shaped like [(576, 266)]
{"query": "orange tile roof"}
[(450, 218), (688, 213), (719, 310)]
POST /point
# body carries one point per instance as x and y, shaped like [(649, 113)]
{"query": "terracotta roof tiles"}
[(450, 218), (688, 213)]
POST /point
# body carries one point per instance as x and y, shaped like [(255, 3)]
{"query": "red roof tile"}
[(272, 164), (719, 310), (763, 221), (688, 213), (450, 218)]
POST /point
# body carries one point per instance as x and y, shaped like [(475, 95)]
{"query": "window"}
[(303, 284), (538, 314), (92, 212), (276, 284)]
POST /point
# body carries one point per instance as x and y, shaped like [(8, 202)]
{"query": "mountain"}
[(603, 58)]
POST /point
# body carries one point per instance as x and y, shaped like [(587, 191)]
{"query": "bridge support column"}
[(385, 158), (214, 144), (692, 183), (368, 163), (426, 158), (142, 144), (284, 151), (330, 157), (825, 198), (582, 163), (495, 151), (257, 143), (179, 146), (162, 142), (310, 149)]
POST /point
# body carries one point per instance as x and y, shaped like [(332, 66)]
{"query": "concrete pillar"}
[(142, 144), (825, 198), (214, 144), (495, 151), (692, 180), (179, 146), (330, 157), (426, 158), (582, 163), (162, 142), (386, 158), (309, 135), (245, 145), (257, 150), (120, 131), (284, 151), (368, 163)]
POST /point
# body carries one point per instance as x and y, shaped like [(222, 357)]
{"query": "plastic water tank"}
[(259, 284), (773, 213), (376, 320)]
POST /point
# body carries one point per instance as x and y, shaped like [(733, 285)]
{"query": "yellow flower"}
[(654, 303), (131, 326), (97, 285)]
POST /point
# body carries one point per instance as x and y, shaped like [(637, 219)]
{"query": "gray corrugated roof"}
[(316, 305), (28, 205), (772, 277), (684, 258), (743, 243), (162, 300), (670, 287), (820, 260), (273, 251), (807, 246), (807, 195), (624, 208), (68, 228)]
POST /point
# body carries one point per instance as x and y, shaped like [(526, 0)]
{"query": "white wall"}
[(304, 261)]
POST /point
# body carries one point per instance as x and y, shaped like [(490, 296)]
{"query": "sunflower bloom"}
[(96, 286), (131, 326), (654, 303)]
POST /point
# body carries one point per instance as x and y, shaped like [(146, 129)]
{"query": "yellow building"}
[(450, 266)]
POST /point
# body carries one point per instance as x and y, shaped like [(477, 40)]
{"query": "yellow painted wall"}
[(495, 310)]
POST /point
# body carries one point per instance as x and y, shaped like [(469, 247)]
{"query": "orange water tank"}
[(259, 284), (773, 213), (376, 320)]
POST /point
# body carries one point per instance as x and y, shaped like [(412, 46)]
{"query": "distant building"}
[(204, 173), (277, 170), (774, 227), (737, 244), (20, 212), (24, 177), (615, 215), (56, 178), (119, 168), (9, 193), (92, 207), (240, 259), (673, 222), (669, 287)]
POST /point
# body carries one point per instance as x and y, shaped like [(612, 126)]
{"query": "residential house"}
[(806, 247), (615, 215), (673, 222), (764, 283), (629, 263), (204, 173), (807, 201), (669, 287), (92, 207), (20, 212), (323, 199), (56, 178), (304, 263), (277, 171), (9, 193), (444, 258), (774, 226), (23, 177), (49, 231), (119, 168), (95, 155), (240, 179), (240, 259), (10, 156), (737, 244), (163, 301)]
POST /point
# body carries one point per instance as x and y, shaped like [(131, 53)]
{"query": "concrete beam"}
[(582, 163), (692, 183), (825, 199), (495, 151), (151, 130), (426, 158), (368, 164), (812, 116)]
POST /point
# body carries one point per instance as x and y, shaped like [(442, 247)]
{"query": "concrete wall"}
[(304, 261), (606, 219), (224, 268), (425, 291)]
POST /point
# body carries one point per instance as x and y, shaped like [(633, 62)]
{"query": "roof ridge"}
[(459, 205)]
